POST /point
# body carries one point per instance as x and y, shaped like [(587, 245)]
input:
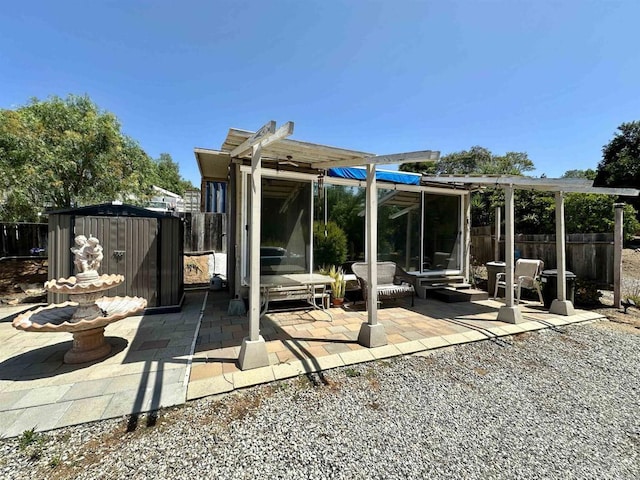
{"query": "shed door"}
[(130, 249)]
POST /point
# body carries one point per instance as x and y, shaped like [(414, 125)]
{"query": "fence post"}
[(617, 255)]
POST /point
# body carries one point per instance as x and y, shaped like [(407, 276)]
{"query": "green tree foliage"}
[(620, 164), (592, 213), (534, 212), (344, 204), (168, 175), (61, 153), (329, 244), (588, 174), (475, 161), (479, 161)]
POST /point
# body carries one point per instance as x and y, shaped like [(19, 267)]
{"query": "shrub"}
[(587, 293), (329, 249)]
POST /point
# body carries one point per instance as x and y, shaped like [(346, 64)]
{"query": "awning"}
[(355, 173)]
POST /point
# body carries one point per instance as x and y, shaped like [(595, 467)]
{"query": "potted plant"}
[(338, 287)]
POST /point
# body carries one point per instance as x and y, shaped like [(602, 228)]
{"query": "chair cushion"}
[(391, 290)]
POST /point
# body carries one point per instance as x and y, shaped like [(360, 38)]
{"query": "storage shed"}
[(144, 246)]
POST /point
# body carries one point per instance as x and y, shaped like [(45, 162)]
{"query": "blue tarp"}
[(357, 173)]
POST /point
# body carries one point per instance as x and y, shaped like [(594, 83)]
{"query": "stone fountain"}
[(87, 313)]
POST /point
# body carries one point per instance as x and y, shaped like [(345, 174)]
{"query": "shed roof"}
[(113, 209)]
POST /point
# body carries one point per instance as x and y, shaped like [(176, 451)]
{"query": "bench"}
[(393, 281)]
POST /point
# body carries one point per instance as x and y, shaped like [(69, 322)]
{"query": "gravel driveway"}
[(560, 403)]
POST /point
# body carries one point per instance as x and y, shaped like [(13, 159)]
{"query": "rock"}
[(32, 289)]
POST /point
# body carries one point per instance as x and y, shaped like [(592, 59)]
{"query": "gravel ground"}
[(555, 404)]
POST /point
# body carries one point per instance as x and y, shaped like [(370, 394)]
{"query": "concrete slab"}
[(84, 410), (288, 369), (385, 351), (434, 342), (209, 386), (357, 356), (410, 347), (41, 418), (42, 396), (254, 376)]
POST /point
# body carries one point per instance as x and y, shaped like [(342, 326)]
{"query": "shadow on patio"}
[(147, 369)]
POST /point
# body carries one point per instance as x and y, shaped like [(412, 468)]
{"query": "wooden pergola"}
[(561, 305), (271, 144), (242, 155)]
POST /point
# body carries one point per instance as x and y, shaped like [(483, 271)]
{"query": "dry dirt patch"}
[(629, 321), (16, 276)]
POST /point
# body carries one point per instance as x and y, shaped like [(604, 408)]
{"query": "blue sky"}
[(550, 78)]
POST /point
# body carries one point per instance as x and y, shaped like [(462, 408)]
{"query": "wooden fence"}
[(205, 232), (17, 239), (589, 255)]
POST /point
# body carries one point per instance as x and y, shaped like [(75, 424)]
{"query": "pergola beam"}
[(263, 137), (246, 146), (395, 158), (566, 185)]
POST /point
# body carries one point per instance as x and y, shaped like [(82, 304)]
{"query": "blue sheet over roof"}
[(358, 173)]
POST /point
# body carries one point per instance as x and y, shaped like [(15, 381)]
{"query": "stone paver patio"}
[(164, 360), (305, 342)]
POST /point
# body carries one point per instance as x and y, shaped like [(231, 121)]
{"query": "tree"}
[(620, 164), (168, 175), (592, 213), (61, 153), (329, 244), (588, 174), (475, 161)]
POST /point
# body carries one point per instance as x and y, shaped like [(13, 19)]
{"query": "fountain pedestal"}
[(88, 345)]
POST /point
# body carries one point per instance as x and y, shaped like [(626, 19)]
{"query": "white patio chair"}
[(526, 275)]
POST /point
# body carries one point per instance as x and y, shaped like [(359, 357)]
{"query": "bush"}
[(587, 293), (329, 249)]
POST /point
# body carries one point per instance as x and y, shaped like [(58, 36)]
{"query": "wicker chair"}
[(393, 281)]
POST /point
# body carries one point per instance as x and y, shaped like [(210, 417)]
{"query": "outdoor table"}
[(296, 286)]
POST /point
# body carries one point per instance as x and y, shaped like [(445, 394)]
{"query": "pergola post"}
[(466, 255), (496, 245), (561, 306), (617, 255), (372, 333), (509, 312), (253, 352)]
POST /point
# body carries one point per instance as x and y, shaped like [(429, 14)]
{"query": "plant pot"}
[(337, 302)]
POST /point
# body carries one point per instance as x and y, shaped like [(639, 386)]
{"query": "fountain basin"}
[(75, 285), (88, 334)]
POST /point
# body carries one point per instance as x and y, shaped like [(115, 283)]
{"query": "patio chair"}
[(526, 275), (393, 281)]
